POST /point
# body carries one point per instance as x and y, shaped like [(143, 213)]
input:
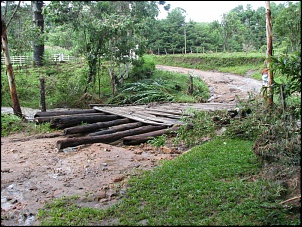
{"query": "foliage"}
[(239, 63), (158, 141), (161, 87), (240, 29), (13, 124), (288, 24), (143, 68), (288, 65), (203, 128), (63, 212), (64, 84)]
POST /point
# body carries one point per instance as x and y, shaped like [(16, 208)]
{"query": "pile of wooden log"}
[(89, 126)]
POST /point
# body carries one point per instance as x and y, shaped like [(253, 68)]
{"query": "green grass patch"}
[(237, 63), (11, 124), (210, 185), (213, 184), (63, 212)]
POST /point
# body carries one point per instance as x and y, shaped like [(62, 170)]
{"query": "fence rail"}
[(25, 60)]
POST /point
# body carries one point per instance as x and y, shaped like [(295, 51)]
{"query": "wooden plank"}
[(161, 110), (137, 115)]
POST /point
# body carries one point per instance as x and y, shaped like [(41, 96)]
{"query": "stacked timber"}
[(94, 126)]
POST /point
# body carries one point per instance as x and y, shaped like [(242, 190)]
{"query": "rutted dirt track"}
[(33, 172), (224, 87)]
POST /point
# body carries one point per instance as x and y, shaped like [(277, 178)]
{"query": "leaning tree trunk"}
[(269, 53), (38, 20), (9, 68)]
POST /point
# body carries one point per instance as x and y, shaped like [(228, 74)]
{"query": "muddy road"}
[(224, 87)]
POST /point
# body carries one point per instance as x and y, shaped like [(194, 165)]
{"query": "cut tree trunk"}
[(65, 112), (142, 138), (44, 119), (94, 126), (72, 120), (117, 128), (108, 138)]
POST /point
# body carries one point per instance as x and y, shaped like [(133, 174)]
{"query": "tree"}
[(38, 44), (9, 68), (107, 30), (269, 53), (288, 25)]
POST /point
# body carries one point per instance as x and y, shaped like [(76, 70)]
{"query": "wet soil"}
[(33, 172)]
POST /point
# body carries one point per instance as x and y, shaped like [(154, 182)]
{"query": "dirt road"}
[(33, 172), (224, 87)]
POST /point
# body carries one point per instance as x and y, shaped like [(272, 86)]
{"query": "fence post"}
[(42, 94)]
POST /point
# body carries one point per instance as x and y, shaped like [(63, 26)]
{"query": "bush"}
[(143, 68)]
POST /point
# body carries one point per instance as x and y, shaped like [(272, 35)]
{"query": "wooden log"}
[(72, 120), (142, 138), (65, 112), (44, 119), (94, 126), (108, 138), (117, 128)]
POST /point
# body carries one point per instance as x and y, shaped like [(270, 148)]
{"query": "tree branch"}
[(10, 19)]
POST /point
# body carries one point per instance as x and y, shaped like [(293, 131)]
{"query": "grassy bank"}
[(216, 183), (238, 63)]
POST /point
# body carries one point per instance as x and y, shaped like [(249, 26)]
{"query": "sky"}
[(208, 11)]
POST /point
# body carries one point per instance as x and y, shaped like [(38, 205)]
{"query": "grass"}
[(11, 124), (215, 183)]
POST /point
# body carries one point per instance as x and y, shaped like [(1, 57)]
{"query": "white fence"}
[(25, 60)]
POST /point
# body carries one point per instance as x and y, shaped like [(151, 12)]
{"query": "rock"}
[(119, 178), (100, 195)]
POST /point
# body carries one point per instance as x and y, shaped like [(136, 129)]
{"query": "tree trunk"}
[(38, 20), (42, 95), (191, 89), (117, 128), (95, 126), (269, 53), (67, 121), (67, 112), (9, 68), (44, 119), (72, 142), (142, 138)]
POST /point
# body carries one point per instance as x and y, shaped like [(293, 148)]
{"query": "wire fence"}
[(27, 60)]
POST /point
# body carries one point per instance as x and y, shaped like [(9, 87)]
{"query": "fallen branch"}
[(291, 199)]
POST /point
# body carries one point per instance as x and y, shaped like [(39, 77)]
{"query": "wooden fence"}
[(26, 60)]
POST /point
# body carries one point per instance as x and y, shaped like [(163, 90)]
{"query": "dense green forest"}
[(86, 25)]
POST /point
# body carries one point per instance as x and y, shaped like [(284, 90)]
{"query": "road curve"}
[(224, 87)]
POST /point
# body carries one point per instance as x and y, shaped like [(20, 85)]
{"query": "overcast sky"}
[(208, 11)]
